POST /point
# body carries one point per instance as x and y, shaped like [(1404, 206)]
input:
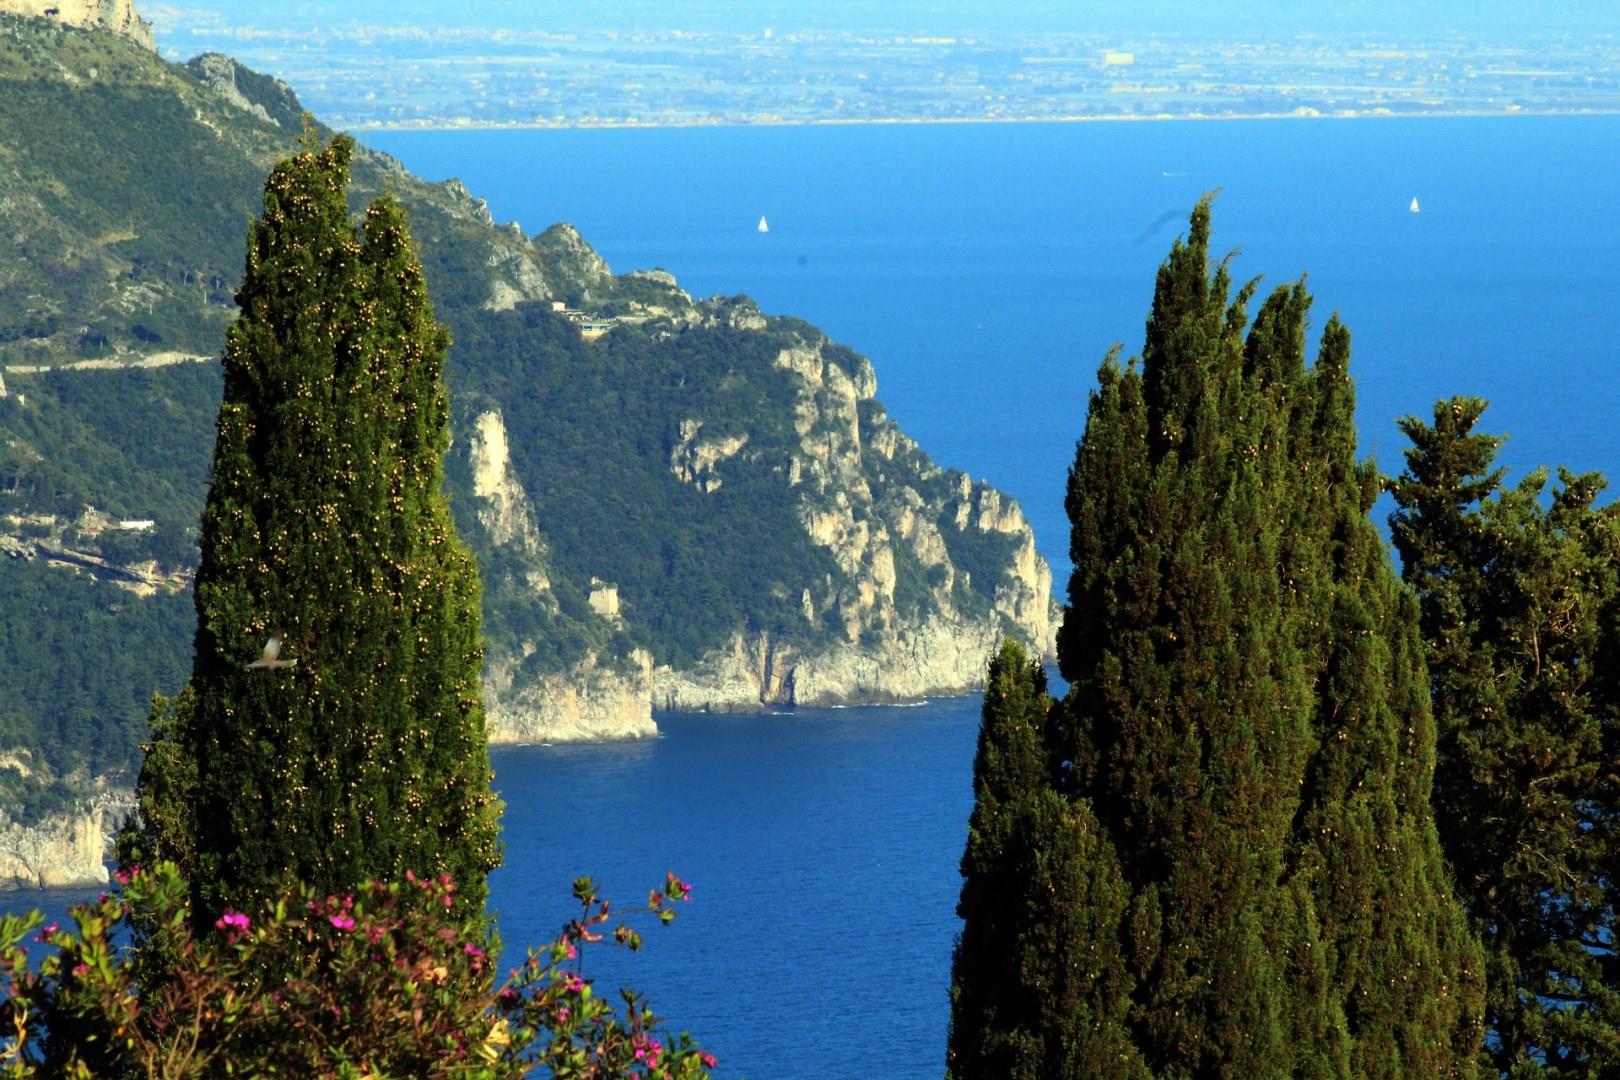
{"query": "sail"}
[(1413, 207), (763, 226)]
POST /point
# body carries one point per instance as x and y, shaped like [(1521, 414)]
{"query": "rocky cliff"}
[(527, 701), (119, 16), (62, 850), (866, 494)]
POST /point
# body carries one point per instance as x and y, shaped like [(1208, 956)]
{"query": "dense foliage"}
[(384, 981), (363, 755), (66, 714), (1247, 719), (1520, 597), (129, 442), (1039, 988), (591, 428)]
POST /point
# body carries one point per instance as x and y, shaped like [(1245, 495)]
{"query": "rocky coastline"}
[(63, 850)]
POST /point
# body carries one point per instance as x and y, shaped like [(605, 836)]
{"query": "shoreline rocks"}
[(65, 850)]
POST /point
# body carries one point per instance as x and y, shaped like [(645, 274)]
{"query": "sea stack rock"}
[(119, 16)]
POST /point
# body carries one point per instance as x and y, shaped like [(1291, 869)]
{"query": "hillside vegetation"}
[(628, 458)]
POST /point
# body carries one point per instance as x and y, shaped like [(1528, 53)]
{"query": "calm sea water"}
[(822, 849), (986, 270)]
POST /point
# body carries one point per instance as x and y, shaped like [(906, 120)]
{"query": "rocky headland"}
[(676, 503)]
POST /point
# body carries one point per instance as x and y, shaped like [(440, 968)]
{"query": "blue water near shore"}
[(822, 849), (986, 270)]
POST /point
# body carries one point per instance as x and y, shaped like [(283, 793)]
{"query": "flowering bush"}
[(382, 982)]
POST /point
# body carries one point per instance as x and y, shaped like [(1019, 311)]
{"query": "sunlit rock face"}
[(66, 850), (865, 493), (118, 16)]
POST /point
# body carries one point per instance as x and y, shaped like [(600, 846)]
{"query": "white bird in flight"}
[(271, 657)]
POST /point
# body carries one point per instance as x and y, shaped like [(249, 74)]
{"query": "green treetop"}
[(1247, 717), (325, 525), (1520, 597)]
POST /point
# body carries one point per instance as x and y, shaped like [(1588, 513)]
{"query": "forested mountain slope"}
[(674, 502)]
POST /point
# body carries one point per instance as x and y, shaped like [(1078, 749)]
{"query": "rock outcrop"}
[(596, 697), (573, 260), (118, 16), (271, 100), (869, 496), (939, 658), (590, 701), (62, 850)]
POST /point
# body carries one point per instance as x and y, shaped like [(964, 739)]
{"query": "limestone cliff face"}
[(596, 697), (63, 850), (503, 509), (588, 702), (939, 657), (118, 16), (909, 620)]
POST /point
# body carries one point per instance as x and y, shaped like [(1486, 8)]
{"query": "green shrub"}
[(383, 982)]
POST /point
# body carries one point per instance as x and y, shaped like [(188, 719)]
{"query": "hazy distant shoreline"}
[(661, 125)]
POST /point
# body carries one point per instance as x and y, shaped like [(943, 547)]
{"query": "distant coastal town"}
[(372, 77)]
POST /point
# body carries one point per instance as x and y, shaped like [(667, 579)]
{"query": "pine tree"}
[(1038, 989), (326, 526), (1519, 600), (1246, 713)]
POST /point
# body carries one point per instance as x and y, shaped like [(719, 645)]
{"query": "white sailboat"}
[(1414, 206), (764, 226)]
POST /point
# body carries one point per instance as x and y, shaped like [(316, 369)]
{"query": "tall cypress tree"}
[(1038, 988), (1520, 603), (325, 526), (1247, 715)]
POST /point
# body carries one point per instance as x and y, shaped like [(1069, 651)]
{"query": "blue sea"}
[(986, 270)]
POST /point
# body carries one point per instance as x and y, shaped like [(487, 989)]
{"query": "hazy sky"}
[(931, 16)]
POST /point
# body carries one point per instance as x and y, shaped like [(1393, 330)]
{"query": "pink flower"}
[(232, 921), (573, 983), (708, 1059), (562, 1015), (81, 970), (341, 922)]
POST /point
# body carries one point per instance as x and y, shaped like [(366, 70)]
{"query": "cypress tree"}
[(1520, 596), (325, 526), (1038, 988), (1247, 716)]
